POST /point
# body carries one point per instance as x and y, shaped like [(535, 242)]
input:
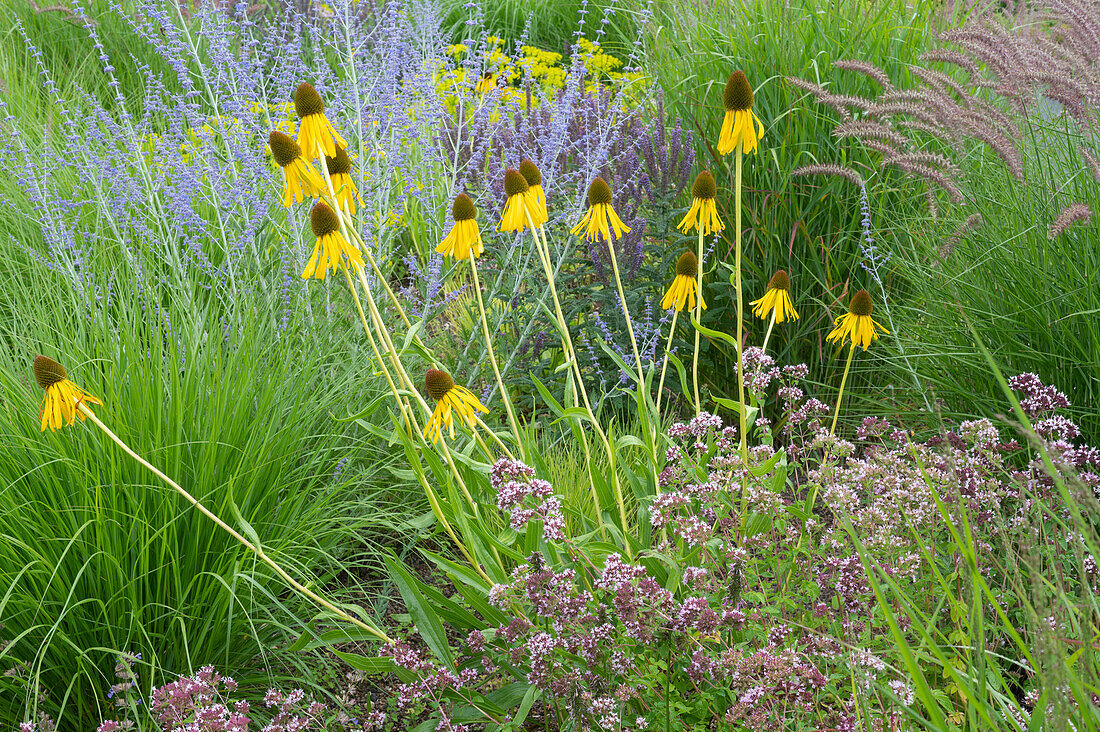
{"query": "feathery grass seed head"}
[(48, 372), (339, 165), (687, 265), (704, 186), (514, 183), (307, 101), (738, 94), (283, 148), (463, 208), (861, 303), (437, 383), (599, 192), (323, 219), (530, 172), (779, 280)]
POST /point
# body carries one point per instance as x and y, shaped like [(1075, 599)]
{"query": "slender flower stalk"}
[(664, 361), (493, 360), (768, 333), (345, 230), (702, 216), (843, 381), (682, 292), (570, 353), (464, 241), (740, 135), (698, 319), (858, 326), (599, 221), (66, 399)]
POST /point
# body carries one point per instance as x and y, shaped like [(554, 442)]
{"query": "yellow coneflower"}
[(857, 323), (486, 83), (703, 214), (517, 206), (777, 299), (600, 218), (536, 197), (738, 127), (683, 288), (465, 235), (339, 170), (59, 405), (331, 247), (315, 130), (449, 397), (299, 177)]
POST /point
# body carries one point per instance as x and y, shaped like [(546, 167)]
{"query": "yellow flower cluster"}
[(504, 75)]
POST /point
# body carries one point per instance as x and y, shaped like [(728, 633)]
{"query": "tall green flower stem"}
[(664, 362), (395, 359), (740, 307), (417, 434), (741, 412), (493, 359), (771, 324), (698, 319), (401, 404), (843, 380), (543, 248), (344, 218), (626, 312), (254, 548), (637, 357)]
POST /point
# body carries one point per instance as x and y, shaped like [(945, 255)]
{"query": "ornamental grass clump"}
[(64, 400)]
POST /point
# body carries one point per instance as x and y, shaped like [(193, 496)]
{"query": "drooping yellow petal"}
[(786, 309), (514, 218), (689, 221)]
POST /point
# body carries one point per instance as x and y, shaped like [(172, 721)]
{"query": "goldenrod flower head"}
[(316, 131), (703, 214), (465, 235), (449, 397), (857, 323), (59, 405), (300, 180), (777, 298), (339, 170), (331, 247), (517, 206), (486, 83), (683, 289), (600, 219), (738, 127), (536, 197)]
